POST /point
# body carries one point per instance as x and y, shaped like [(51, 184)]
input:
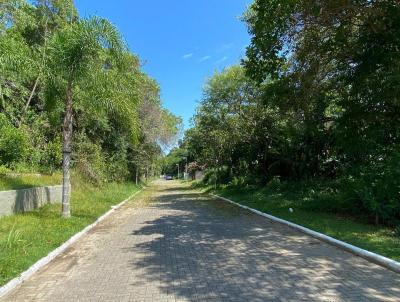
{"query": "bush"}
[(375, 189), (52, 155), (331, 196), (46, 152), (4, 170), (217, 176), (239, 181), (14, 144), (397, 231), (274, 184), (117, 167), (88, 159), (210, 177)]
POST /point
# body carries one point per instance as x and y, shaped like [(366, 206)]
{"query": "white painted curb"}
[(373, 257), (53, 254)]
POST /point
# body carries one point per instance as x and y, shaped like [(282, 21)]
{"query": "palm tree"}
[(87, 49)]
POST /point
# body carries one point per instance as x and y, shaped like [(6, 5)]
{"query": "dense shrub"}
[(4, 170), (117, 113), (117, 166), (88, 159), (274, 183), (316, 101), (217, 176), (14, 144), (52, 157), (372, 191), (378, 188)]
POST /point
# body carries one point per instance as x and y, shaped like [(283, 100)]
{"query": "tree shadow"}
[(200, 249), (30, 199), (180, 188)]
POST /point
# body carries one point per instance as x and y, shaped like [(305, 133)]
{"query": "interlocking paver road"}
[(173, 244)]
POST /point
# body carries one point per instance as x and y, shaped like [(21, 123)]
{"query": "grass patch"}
[(24, 181), (25, 238), (313, 209)]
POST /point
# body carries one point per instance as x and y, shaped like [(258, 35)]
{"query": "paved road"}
[(173, 244)]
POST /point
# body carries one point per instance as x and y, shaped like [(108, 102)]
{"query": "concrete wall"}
[(25, 200)]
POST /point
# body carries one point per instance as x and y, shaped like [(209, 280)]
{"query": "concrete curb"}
[(53, 254), (370, 256)]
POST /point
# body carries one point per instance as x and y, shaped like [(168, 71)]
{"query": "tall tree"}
[(76, 52)]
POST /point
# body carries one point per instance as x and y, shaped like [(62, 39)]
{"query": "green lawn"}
[(351, 229), (25, 238), (28, 181)]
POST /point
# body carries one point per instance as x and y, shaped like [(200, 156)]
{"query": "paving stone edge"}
[(370, 256), (12, 284)]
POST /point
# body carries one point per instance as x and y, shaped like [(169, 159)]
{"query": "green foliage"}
[(118, 115), (298, 195), (211, 177), (316, 97), (397, 231), (9, 180), (176, 157), (25, 238), (4, 170), (89, 160), (217, 176), (242, 180), (378, 188), (274, 184), (52, 156), (14, 145), (116, 166)]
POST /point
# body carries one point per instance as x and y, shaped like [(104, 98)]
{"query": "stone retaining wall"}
[(25, 200)]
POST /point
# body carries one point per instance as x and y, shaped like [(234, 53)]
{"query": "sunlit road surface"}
[(174, 244)]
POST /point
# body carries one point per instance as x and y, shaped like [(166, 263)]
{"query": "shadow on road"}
[(205, 249)]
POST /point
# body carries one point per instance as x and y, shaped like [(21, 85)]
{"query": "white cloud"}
[(205, 58), (187, 56)]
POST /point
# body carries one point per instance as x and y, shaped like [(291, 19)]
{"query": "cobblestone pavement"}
[(173, 244)]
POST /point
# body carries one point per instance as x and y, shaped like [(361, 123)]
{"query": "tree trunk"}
[(376, 219), (67, 142), (38, 77), (28, 101), (137, 176)]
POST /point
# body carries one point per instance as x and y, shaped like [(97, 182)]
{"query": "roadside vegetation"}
[(27, 237), (72, 97), (313, 110), (304, 204), (24, 181)]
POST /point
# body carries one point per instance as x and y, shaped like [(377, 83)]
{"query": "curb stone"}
[(370, 256), (13, 283)]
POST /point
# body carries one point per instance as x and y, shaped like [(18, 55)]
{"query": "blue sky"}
[(182, 42)]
